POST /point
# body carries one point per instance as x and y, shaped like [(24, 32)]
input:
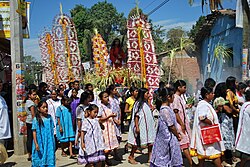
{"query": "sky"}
[(173, 14)]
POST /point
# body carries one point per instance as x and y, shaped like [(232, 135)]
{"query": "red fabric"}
[(134, 58), (211, 134), (117, 54)]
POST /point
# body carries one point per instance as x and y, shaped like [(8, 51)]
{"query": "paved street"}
[(21, 161)]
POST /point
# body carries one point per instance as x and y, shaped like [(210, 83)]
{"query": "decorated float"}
[(60, 52)]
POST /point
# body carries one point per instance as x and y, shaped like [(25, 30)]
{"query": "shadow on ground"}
[(8, 164)]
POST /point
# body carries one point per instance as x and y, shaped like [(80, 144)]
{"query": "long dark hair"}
[(220, 90), (92, 107), (84, 97), (113, 43), (205, 91), (64, 99), (29, 93), (37, 115), (162, 96), (140, 98), (110, 88), (179, 83), (230, 82)]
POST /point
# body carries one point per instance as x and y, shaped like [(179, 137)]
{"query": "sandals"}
[(64, 155), (132, 161), (72, 157), (138, 151)]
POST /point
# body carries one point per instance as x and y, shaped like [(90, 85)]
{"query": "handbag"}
[(211, 134)]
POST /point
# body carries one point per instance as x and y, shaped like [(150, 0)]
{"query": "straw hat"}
[(3, 154), (219, 101)]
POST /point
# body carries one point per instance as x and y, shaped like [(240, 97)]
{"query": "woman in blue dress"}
[(166, 149), (43, 148), (64, 127)]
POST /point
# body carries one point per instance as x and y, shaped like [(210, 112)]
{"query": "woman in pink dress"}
[(107, 118), (179, 108)]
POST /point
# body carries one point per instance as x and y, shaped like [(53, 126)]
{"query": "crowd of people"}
[(212, 127)]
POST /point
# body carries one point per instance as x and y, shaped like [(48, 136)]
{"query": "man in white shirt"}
[(5, 133), (76, 87)]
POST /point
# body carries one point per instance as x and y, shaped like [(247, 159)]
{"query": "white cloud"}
[(173, 23), (31, 47), (196, 4), (163, 22), (185, 25)]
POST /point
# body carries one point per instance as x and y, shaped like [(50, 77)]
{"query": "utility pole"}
[(16, 57)]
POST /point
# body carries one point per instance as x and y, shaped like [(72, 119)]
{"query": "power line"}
[(158, 7), (149, 4)]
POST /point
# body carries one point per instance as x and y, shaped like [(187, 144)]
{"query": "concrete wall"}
[(191, 71), (223, 32)]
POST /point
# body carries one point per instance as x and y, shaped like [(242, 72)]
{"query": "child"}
[(129, 106), (141, 130), (166, 149), (115, 107), (74, 103), (30, 109), (92, 145), (43, 150), (179, 108), (80, 111), (107, 117), (64, 131), (53, 104)]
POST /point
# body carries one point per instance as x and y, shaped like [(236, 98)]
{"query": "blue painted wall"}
[(223, 32)]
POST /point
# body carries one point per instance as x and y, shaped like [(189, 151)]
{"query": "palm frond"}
[(222, 52)]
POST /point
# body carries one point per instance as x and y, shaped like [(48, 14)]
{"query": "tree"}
[(159, 34), (213, 4), (174, 36), (33, 69), (177, 42), (104, 17), (195, 28)]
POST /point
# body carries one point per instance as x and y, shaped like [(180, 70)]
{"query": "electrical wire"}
[(158, 7), (149, 4)]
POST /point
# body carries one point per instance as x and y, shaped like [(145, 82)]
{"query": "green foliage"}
[(221, 52), (104, 17), (195, 28), (32, 67), (174, 36), (159, 34)]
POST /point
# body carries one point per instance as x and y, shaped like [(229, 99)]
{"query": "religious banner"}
[(66, 48), (244, 64), (48, 58), (100, 53), (141, 51), (5, 19)]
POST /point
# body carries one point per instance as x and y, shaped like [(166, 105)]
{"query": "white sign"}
[(5, 20)]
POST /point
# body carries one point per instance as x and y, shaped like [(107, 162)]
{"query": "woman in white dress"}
[(141, 129), (242, 143), (53, 103), (205, 115)]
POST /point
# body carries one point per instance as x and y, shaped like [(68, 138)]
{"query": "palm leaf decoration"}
[(101, 81), (221, 52)]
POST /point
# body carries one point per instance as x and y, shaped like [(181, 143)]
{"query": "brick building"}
[(184, 67)]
